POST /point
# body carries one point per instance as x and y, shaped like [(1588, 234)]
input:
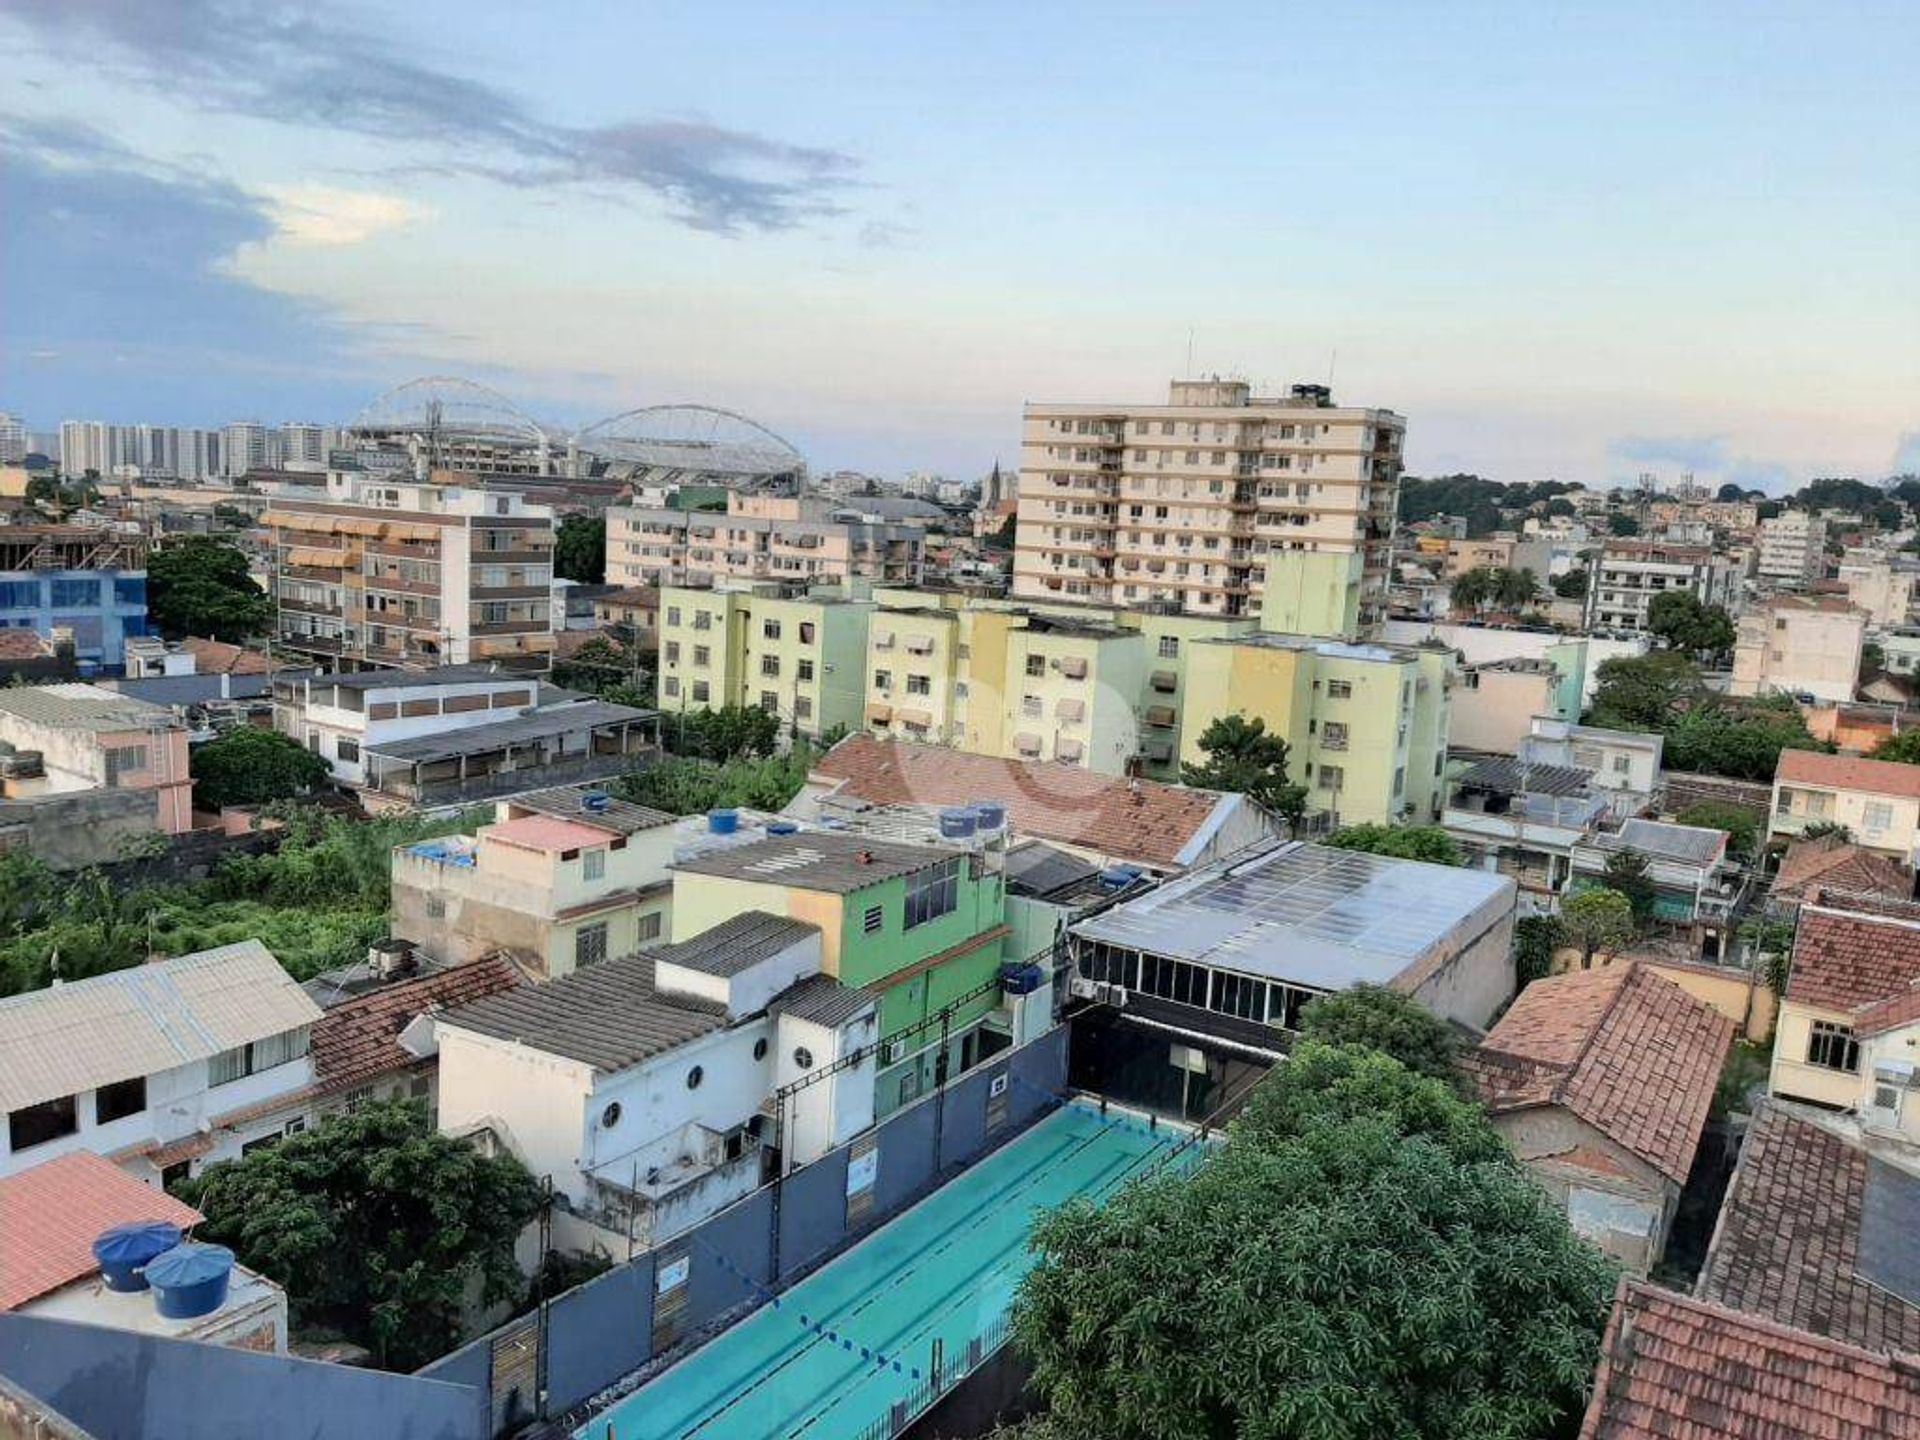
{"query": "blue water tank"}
[(782, 827), (123, 1251), (723, 822), (1018, 979), (1118, 877), (958, 823), (190, 1279), (596, 802), (990, 813)]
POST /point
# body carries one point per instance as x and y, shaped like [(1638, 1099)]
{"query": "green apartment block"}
[(797, 653), (919, 925)]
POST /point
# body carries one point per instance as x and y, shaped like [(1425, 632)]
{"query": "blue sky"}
[(1565, 241)]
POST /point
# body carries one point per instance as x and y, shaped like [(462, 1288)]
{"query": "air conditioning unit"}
[(1081, 988), (893, 1052), (1114, 995)]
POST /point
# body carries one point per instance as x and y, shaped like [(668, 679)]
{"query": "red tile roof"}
[(1676, 1368), (1788, 1241), (217, 657), (1849, 772), (1845, 959), (50, 1214), (1626, 1050), (1830, 863), (356, 1041), (1142, 821), (1892, 1014), (545, 832), (20, 643)]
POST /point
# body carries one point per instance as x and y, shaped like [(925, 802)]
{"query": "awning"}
[(1071, 709), (1027, 744), (294, 520), (319, 555), (1161, 715), (1165, 680), (1065, 749), (883, 639), (919, 645), (403, 530), (914, 717), (1074, 667), (878, 713)]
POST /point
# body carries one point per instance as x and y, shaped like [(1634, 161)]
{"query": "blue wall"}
[(102, 607), (121, 1386)]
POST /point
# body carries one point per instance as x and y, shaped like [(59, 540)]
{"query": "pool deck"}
[(830, 1357)]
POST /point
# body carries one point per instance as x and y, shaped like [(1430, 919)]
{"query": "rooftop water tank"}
[(190, 1279), (958, 823), (782, 827), (596, 802), (123, 1251), (1118, 877), (723, 822), (990, 813)]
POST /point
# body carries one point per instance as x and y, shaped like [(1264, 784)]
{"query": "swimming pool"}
[(835, 1352)]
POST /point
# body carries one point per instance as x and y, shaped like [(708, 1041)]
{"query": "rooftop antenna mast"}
[(1189, 369)]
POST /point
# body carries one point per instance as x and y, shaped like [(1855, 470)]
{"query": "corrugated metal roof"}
[(1693, 844), (736, 944), (1518, 777), (81, 707), (88, 1033), (477, 739), (823, 1000), (818, 860), (567, 802)]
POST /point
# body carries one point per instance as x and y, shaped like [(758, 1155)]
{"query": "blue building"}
[(79, 581)]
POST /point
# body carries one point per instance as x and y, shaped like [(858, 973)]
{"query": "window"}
[(803, 671), (670, 685), (348, 751), (806, 632), (673, 614), (932, 892), (1331, 777), (245, 1060), (37, 1124), (76, 594), (919, 685), (593, 864), (130, 592), (702, 654), (769, 702), (650, 927), (119, 1100), (1169, 647), (1334, 735), (1622, 764), (701, 691), (610, 1115), (883, 679), (590, 944), (694, 1077), (802, 708), (1833, 1047), (770, 665), (1036, 664), (760, 1048), (1878, 815), (770, 629), (673, 652), (1339, 689), (124, 761), (436, 907), (871, 922)]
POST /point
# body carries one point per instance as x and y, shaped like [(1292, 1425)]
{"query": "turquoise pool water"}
[(947, 1268)]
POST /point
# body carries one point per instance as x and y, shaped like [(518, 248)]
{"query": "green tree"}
[(1244, 759), (1742, 742), (1622, 525), (730, 733), (1873, 660), (200, 586), (1514, 588), (1003, 538), (580, 549), (252, 766), (1375, 1017), (1596, 919), (1475, 589), (1403, 842), (1903, 748), (693, 787), (1572, 585), (1326, 1277), (1820, 829), (1626, 873), (376, 1224), (1742, 825), (1642, 692), (601, 665), (1535, 938), (1678, 618)]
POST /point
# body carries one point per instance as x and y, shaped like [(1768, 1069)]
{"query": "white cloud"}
[(324, 215)]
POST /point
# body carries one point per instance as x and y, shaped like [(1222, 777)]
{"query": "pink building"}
[(83, 752)]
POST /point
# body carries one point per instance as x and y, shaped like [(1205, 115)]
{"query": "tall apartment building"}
[(15, 439), (413, 573), (1800, 645), (760, 537), (247, 445), (1630, 573), (304, 446), (1793, 549), (1219, 502), (88, 445)]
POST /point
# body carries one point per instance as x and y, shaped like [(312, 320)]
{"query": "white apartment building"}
[(138, 451), (304, 446), (1792, 549), (760, 537), (247, 445), (1219, 502), (164, 1068), (1630, 573), (15, 440), (1880, 585), (1800, 645)]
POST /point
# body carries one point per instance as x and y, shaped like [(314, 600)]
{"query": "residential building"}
[(760, 537), (795, 653), (305, 446), (1494, 705), (1830, 863), (1220, 502), (163, 1068), (50, 1215), (1816, 1232), (1367, 723), (1877, 801), (653, 1088), (404, 573), (76, 740), (1165, 829), (1881, 585), (247, 445), (1624, 763), (1067, 691), (1629, 574), (631, 615), (1502, 550), (1695, 882), (1793, 550), (1799, 645), (1900, 650), (563, 878), (457, 734), (1852, 959), (1601, 1081), (1577, 657), (917, 925), (1667, 1359), (78, 585), (1523, 820), (14, 439)]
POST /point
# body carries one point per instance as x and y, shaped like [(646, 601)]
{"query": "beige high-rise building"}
[(759, 537), (1219, 502)]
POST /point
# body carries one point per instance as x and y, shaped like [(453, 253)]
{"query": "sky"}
[(1566, 241)]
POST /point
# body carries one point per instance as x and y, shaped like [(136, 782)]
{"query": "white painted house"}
[(164, 1068), (641, 1084)]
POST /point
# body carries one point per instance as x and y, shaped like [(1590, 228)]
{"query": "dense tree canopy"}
[(1678, 618), (732, 732), (252, 766), (1642, 692), (693, 787), (1363, 1258), (580, 549), (376, 1224), (1705, 732), (1742, 825), (1486, 585), (1627, 874), (1572, 585), (1383, 1020), (1243, 758), (1405, 842), (1486, 505), (1596, 919), (1904, 748), (200, 586)]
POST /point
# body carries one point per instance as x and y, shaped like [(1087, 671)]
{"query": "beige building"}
[(1850, 1014), (1792, 549), (1800, 645), (759, 537), (1879, 586), (385, 572), (1219, 502), (1494, 704), (1878, 801)]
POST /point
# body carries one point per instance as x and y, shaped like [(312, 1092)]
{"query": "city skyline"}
[(1564, 245)]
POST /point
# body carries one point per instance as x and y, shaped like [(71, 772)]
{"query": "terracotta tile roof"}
[(1787, 1245), (1627, 1051), (51, 1212), (1150, 823), (1849, 772), (1676, 1368), (355, 1041), (1892, 1014), (643, 597), (545, 832), (1844, 959), (217, 657), (24, 644), (1831, 863)]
